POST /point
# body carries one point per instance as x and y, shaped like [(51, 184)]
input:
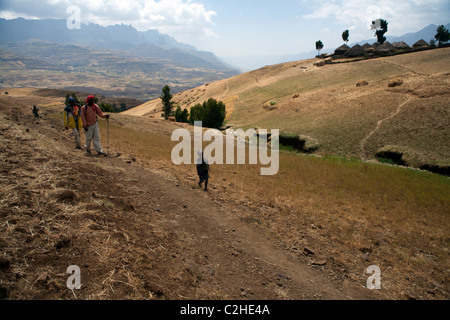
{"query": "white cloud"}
[(181, 17), (8, 15), (402, 16), (177, 13)]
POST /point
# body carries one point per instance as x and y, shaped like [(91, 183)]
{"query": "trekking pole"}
[(107, 136)]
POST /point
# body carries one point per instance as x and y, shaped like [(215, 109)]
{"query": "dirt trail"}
[(408, 69), (130, 232), (363, 142), (244, 262)]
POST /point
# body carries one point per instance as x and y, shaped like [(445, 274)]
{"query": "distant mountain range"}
[(122, 37), (120, 60), (252, 63)]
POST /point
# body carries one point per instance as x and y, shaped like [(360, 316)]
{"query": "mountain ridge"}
[(119, 37), (116, 61)]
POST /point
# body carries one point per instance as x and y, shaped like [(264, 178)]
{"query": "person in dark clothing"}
[(35, 111), (203, 170)]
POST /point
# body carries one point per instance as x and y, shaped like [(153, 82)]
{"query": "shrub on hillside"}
[(211, 113), (181, 115)]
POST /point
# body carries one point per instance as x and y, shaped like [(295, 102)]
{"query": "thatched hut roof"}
[(341, 50), (420, 43), (375, 45), (401, 45), (366, 46), (386, 47), (355, 51)]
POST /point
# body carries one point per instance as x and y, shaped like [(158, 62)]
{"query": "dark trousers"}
[(203, 175)]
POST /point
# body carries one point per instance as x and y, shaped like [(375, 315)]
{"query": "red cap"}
[(89, 98)]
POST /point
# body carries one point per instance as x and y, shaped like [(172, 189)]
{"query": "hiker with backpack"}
[(89, 113), (72, 119), (202, 170)]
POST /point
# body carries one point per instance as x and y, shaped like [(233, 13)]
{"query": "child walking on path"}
[(202, 170)]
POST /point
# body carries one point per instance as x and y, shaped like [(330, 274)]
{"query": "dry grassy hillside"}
[(348, 108), (139, 226), (227, 90)]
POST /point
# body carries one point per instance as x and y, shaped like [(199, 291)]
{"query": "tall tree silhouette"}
[(442, 35), (166, 98), (319, 46), (345, 36), (381, 29)]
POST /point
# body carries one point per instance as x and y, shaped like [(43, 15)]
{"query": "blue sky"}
[(256, 27), (247, 27), (264, 27)]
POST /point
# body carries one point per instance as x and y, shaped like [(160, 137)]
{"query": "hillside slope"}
[(139, 227), (127, 227), (326, 104)]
